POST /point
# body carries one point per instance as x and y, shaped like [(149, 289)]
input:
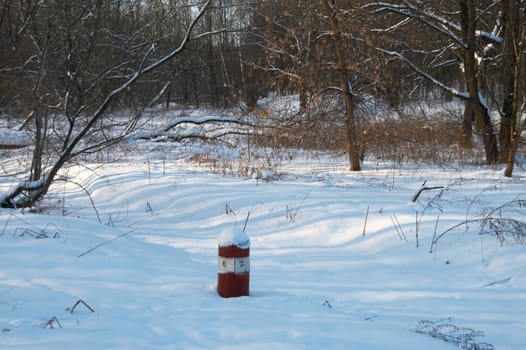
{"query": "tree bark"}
[(510, 19), (466, 137)]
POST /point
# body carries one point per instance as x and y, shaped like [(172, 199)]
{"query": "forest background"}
[(365, 74)]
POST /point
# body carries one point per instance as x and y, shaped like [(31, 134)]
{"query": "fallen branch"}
[(206, 120), (11, 147), (506, 280)]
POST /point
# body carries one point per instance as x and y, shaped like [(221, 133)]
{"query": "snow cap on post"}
[(233, 236), (233, 263)]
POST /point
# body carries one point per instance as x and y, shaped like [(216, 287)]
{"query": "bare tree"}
[(80, 124), (462, 37), (287, 32), (320, 51), (350, 122)]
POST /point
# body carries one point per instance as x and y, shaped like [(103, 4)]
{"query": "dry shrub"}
[(416, 135), (304, 135), (417, 139)]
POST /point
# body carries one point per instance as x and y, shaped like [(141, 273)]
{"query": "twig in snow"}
[(416, 229), (398, 227), (5, 226), (463, 337), (52, 322), (80, 301), (365, 223), (104, 243), (88, 194), (424, 188), (11, 304), (33, 230), (291, 214), (149, 208), (506, 280), (121, 215), (246, 222), (229, 210), (434, 235)]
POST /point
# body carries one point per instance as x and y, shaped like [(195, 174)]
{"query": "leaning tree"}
[(81, 60)]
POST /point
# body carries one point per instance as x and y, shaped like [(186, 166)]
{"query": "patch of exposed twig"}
[(290, 214), (422, 189), (399, 228), (502, 281), (327, 304), (365, 221), (104, 243), (53, 323), (503, 222), (29, 230), (464, 338)]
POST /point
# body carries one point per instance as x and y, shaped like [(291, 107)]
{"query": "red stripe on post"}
[(233, 251), (230, 285)]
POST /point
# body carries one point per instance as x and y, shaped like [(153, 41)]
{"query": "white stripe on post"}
[(233, 265)]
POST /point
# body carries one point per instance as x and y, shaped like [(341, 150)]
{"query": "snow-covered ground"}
[(127, 259), (9, 137), (317, 281)]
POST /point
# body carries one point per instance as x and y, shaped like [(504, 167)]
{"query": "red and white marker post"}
[(233, 270)]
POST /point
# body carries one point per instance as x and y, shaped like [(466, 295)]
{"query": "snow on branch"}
[(10, 198), (430, 18), (224, 126), (205, 120), (99, 112), (423, 73)]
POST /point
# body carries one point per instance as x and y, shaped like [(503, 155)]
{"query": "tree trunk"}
[(38, 150), (211, 63), (350, 122), (40, 132), (304, 97), (475, 101), (466, 138), (510, 19), (511, 75)]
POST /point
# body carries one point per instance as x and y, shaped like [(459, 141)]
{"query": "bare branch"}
[(424, 74)]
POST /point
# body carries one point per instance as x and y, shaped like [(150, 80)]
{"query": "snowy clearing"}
[(334, 260)]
